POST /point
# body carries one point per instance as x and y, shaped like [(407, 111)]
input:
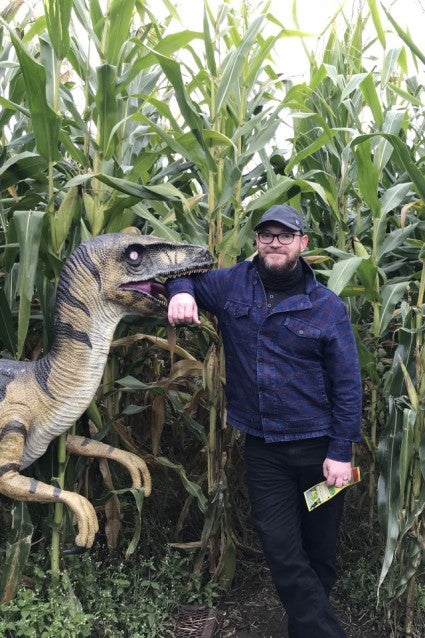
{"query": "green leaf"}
[(405, 37), (29, 229), (192, 488), (17, 552), (58, 16), (7, 326), (232, 72), (45, 122), (371, 96), (367, 175), (323, 139), (389, 512), (373, 7), (188, 109), (407, 450), (120, 13), (342, 273), (395, 196), (393, 240), (20, 167), (367, 272), (404, 157), (391, 296), (107, 109)]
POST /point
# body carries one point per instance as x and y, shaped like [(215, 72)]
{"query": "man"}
[(293, 386)]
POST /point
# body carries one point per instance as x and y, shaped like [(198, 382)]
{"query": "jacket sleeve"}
[(206, 288), (343, 371)]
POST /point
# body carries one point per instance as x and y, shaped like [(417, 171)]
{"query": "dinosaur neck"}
[(83, 329)]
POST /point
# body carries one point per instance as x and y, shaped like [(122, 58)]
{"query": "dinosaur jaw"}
[(151, 288)]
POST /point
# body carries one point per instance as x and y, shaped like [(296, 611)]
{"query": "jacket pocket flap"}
[(302, 329), (236, 309)]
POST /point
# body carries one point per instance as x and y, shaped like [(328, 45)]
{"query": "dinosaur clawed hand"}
[(135, 465)]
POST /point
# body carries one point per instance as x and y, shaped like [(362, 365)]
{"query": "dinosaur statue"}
[(105, 279)]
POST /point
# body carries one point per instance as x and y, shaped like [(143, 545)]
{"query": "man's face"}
[(276, 257)]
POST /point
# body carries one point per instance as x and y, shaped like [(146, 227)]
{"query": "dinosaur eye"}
[(133, 255)]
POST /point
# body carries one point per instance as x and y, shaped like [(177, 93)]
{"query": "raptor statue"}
[(106, 278)]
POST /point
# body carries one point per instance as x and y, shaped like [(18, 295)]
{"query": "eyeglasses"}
[(265, 237)]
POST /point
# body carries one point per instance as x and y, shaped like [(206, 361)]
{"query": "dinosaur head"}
[(130, 270)]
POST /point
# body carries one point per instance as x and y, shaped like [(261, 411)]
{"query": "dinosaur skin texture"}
[(105, 279)]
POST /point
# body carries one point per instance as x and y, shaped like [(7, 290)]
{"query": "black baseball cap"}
[(282, 214)]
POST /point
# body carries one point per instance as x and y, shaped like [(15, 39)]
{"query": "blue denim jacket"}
[(291, 373)]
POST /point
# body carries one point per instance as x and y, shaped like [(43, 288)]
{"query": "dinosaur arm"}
[(135, 465)]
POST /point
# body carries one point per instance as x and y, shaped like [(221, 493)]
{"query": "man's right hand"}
[(182, 308)]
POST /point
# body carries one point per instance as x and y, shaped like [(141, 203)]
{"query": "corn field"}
[(110, 119)]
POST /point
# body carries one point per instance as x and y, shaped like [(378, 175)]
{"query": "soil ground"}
[(254, 611)]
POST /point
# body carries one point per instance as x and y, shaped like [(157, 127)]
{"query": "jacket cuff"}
[(340, 450), (181, 284)]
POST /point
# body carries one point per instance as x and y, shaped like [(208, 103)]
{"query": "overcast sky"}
[(313, 16)]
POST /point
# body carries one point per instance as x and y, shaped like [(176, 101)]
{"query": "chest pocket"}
[(302, 329), (236, 317), (235, 309)]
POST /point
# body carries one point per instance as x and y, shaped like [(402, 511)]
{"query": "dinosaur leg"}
[(136, 466), (23, 488)]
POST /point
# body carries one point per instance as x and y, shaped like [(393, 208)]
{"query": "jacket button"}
[(300, 332)]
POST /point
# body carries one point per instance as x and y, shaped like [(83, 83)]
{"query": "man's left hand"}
[(336, 473)]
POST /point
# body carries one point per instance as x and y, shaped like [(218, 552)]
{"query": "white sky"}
[(313, 17)]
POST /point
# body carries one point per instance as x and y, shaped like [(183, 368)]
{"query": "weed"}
[(103, 599)]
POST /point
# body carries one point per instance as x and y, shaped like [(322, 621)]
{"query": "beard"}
[(275, 268)]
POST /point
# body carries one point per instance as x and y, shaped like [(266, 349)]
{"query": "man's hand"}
[(182, 308), (336, 472)]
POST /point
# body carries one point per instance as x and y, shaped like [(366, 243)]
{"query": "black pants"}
[(299, 546)]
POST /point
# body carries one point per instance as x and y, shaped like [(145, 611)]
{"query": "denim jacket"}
[(291, 373)]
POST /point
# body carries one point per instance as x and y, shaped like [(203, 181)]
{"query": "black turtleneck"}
[(281, 286)]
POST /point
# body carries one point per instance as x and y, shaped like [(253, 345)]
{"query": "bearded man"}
[(293, 387)]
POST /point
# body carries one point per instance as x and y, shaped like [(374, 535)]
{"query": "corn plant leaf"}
[(404, 36), (232, 72), (209, 49), (391, 295), (139, 496), (367, 175), (29, 229), (407, 450), (45, 122), (192, 488), (188, 109), (373, 7), (323, 139), (367, 272), (404, 157), (395, 196), (118, 26), (58, 15), (389, 488), (383, 149), (422, 455), (7, 325), (393, 240), (157, 422), (17, 551), (371, 96), (342, 273), (20, 167), (107, 109)]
